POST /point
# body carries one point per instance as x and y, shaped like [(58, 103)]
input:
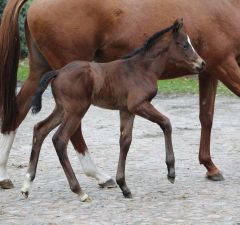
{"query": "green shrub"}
[(2, 5), (21, 26)]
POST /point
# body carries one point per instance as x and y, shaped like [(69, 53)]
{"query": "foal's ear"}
[(177, 26)]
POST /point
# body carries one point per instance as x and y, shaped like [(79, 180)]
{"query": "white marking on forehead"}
[(190, 43)]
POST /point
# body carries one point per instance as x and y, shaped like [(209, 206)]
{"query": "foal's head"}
[(181, 51), (176, 44)]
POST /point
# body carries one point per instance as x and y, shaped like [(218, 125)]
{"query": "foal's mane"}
[(149, 42)]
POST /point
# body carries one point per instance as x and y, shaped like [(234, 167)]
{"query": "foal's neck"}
[(147, 63)]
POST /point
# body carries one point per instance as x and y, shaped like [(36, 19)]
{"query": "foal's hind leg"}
[(87, 163), (60, 141), (41, 130), (38, 66), (147, 111), (126, 126)]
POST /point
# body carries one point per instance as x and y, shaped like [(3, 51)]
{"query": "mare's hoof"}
[(85, 198), (25, 194), (215, 177), (127, 194), (171, 179), (6, 184), (108, 184)]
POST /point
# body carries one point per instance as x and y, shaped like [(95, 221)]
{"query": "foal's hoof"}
[(108, 184), (6, 184), (215, 177), (85, 198), (127, 194), (171, 174), (171, 179), (25, 194)]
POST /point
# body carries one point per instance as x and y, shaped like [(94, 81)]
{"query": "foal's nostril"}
[(201, 67)]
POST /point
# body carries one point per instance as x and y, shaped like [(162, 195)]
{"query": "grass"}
[(23, 70), (186, 85), (181, 85)]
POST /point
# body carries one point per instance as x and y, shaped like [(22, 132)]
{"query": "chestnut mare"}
[(127, 85), (59, 32)]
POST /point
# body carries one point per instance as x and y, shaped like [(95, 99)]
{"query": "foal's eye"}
[(185, 45)]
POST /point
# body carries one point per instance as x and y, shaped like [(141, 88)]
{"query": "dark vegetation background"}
[(21, 25)]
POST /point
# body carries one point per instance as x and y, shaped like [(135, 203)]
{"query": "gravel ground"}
[(191, 200)]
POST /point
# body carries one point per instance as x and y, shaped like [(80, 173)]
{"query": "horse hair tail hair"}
[(9, 59), (37, 98)]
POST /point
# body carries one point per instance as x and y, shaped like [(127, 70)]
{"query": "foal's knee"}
[(125, 140), (166, 126)]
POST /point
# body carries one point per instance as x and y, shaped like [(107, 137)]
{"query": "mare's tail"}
[(37, 98), (9, 57)]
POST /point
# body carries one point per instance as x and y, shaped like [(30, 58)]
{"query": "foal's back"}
[(101, 84), (115, 85)]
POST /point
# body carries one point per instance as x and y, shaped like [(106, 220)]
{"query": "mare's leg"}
[(147, 111), (38, 66), (87, 162), (207, 93), (6, 141), (41, 130), (228, 72), (126, 126), (68, 127)]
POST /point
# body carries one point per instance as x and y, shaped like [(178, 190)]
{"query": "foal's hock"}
[(127, 85)]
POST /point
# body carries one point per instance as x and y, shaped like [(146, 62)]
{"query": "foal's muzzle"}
[(201, 67)]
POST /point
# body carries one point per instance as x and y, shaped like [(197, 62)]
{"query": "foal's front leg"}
[(126, 126), (147, 111)]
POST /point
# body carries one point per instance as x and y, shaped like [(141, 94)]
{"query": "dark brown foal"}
[(127, 85)]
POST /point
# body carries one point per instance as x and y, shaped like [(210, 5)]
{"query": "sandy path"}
[(191, 200)]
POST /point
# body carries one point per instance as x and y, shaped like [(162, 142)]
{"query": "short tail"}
[(37, 98)]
